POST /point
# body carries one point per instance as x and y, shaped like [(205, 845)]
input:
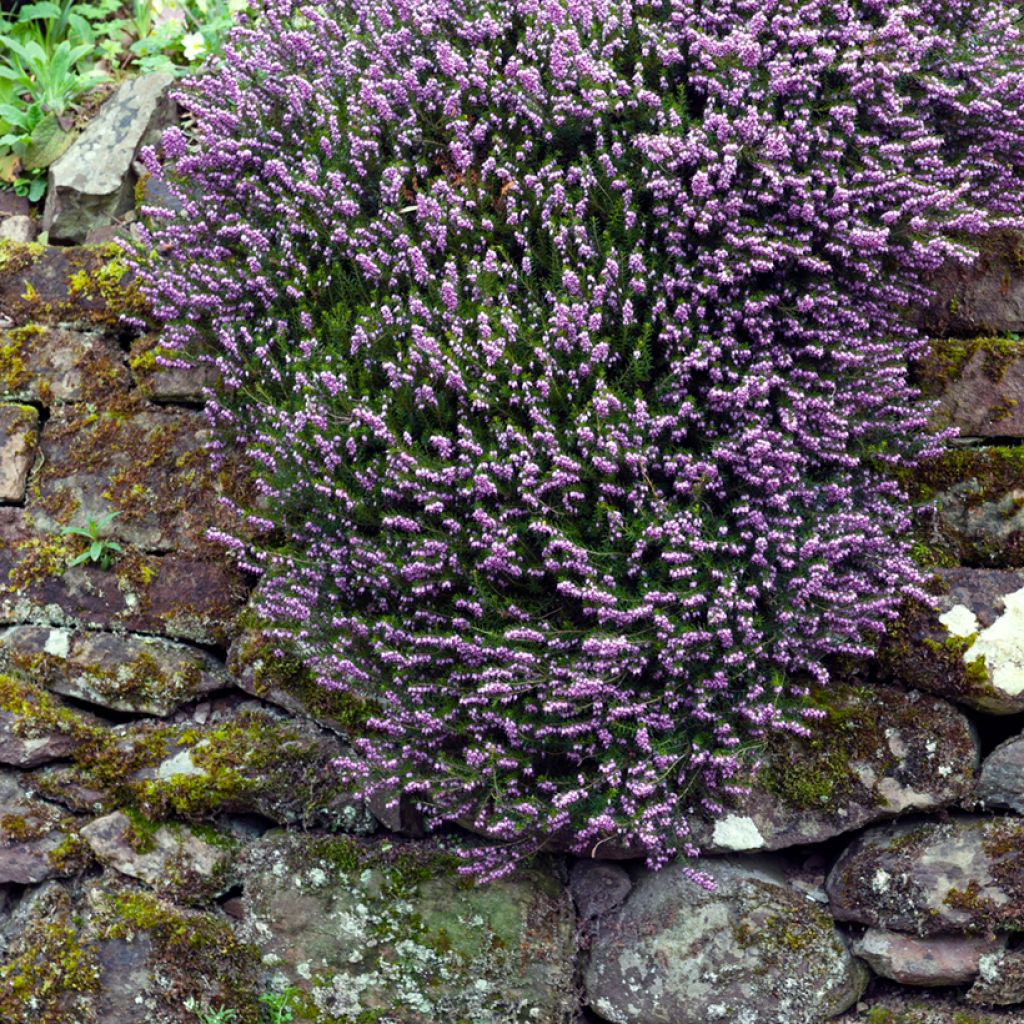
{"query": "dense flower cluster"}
[(567, 340)]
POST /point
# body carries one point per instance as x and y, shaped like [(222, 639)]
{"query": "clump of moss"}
[(51, 971), (36, 713), (253, 761), (815, 772), (949, 357)]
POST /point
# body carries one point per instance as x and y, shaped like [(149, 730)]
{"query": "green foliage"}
[(52, 54), (207, 1015), (100, 550)]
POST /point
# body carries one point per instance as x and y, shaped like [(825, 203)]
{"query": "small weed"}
[(101, 550), (207, 1015)]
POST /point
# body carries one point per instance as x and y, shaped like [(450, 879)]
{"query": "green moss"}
[(953, 650), (50, 970), (273, 666), (815, 771), (949, 357), (72, 856), (198, 952), (879, 1015), (36, 712), (996, 470), (142, 832)]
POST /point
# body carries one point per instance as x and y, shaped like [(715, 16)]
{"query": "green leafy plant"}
[(207, 1015), (100, 550), (278, 1005)]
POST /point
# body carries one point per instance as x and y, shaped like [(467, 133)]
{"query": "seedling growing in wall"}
[(101, 549)]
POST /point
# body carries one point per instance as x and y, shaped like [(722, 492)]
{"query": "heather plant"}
[(568, 342)]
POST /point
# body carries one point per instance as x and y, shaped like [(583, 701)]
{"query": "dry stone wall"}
[(172, 829)]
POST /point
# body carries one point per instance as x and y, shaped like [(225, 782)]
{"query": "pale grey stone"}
[(18, 229), (1002, 776), (93, 182)]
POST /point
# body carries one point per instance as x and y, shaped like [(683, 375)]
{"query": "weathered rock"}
[(970, 647), (877, 752), (965, 875), (1002, 776), (35, 837), (365, 927), (125, 673), (78, 287), (49, 364), (939, 960), (36, 728), (168, 383), (985, 297), (753, 950), (146, 464), (93, 182), (19, 434), (598, 887), (979, 385), (1001, 980), (245, 760), (18, 229), (974, 511), (166, 857)]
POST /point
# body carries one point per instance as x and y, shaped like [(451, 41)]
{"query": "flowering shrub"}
[(565, 338)]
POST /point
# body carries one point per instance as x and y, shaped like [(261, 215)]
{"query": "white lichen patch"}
[(180, 764), (736, 832), (58, 643), (1001, 644)]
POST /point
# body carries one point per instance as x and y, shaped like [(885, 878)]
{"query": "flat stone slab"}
[(93, 182), (146, 464), (979, 383), (79, 286), (144, 675), (244, 759), (877, 752), (108, 951), (365, 926), (965, 875), (49, 364), (974, 514), (970, 647), (932, 962), (35, 727), (985, 297), (753, 949), (19, 435), (174, 595)]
